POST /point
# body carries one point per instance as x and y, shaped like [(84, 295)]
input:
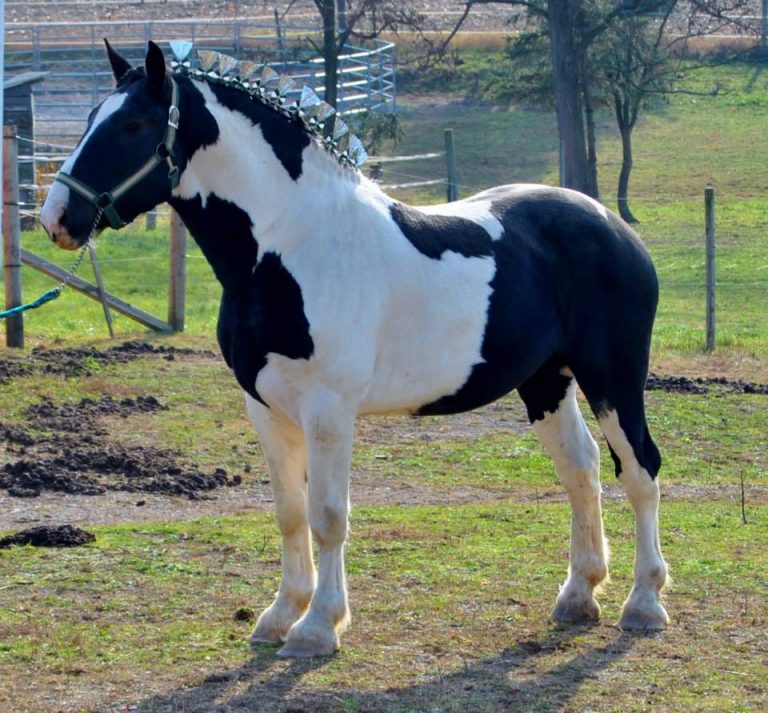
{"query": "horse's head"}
[(125, 163)]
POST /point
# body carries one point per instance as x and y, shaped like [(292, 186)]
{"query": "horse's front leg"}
[(285, 453), (328, 430)]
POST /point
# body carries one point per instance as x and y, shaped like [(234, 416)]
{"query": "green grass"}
[(451, 602), (134, 265)]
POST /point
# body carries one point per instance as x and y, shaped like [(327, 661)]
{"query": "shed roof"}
[(16, 80)]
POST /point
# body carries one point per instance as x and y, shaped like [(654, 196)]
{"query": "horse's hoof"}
[(570, 612), (635, 619), (273, 625), (307, 649), (264, 637)]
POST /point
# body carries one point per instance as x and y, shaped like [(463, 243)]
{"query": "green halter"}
[(163, 153)]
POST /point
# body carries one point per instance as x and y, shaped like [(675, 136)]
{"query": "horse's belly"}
[(428, 347)]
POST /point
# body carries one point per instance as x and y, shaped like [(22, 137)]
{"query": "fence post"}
[(764, 28), (450, 160), (178, 277), (14, 326), (709, 221)]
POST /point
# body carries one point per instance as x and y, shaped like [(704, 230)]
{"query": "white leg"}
[(329, 430), (577, 461), (642, 610), (285, 453)]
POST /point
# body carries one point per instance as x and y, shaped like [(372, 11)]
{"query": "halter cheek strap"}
[(163, 154)]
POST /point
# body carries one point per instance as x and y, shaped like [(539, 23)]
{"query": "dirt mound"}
[(702, 385), (93, 469), (47, 536), (67, 418), (67, 450)]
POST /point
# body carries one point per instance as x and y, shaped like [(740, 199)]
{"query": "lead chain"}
[(72, 270)]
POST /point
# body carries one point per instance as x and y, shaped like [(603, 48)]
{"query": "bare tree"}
[(576, 32), (362, 20), (639, 59), (634, 64)]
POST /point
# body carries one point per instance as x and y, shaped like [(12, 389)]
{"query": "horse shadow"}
[(510, 680)]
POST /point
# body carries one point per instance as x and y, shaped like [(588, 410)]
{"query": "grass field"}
[(451, 592)]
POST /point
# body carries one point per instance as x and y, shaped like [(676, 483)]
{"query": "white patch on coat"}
[(598, 205), (478, 211), (57, 199)]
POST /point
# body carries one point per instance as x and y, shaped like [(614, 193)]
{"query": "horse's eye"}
[(132, 127)]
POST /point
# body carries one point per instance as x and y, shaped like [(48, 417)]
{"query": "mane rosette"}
[(263, 84)]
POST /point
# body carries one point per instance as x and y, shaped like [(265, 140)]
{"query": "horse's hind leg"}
[(285, 453), (550, 397), (619, 407)]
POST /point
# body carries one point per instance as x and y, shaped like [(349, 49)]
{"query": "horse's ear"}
[(154, 63), (119, 64)]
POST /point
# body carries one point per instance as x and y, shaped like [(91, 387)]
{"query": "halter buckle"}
[(173, 117)]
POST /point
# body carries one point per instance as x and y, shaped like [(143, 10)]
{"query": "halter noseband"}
[(163, 153)]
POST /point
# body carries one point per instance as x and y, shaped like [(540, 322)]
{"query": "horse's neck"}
[(239, 200)]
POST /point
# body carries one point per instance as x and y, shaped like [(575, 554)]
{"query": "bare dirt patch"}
[(703, 385), (80, 361), (73, 454)]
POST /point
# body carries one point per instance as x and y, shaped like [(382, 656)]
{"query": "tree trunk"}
[(625, 130), (593, 188), (570, 120), (327, 10)]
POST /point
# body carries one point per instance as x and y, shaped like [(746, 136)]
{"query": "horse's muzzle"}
[(65, 241)]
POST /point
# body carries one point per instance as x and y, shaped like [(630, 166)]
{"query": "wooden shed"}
[(18, 109)]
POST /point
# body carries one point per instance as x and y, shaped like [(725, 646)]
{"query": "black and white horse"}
[(339, 301)]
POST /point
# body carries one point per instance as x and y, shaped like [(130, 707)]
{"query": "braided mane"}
[(270, 89)]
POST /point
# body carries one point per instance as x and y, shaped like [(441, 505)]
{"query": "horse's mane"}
[(309, 112)]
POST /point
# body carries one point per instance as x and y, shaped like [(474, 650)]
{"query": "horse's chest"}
[(265, 316)]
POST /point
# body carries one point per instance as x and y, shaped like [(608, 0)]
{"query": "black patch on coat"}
[(522, 329), (197, 127), (433, 235), (262, 309), (543, 392), (267, 317), (224, 233), (286, 137)]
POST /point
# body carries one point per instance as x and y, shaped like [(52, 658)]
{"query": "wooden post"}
[(764, 28), (14, 326), (450, 161), (178, 277), (709, 220)]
